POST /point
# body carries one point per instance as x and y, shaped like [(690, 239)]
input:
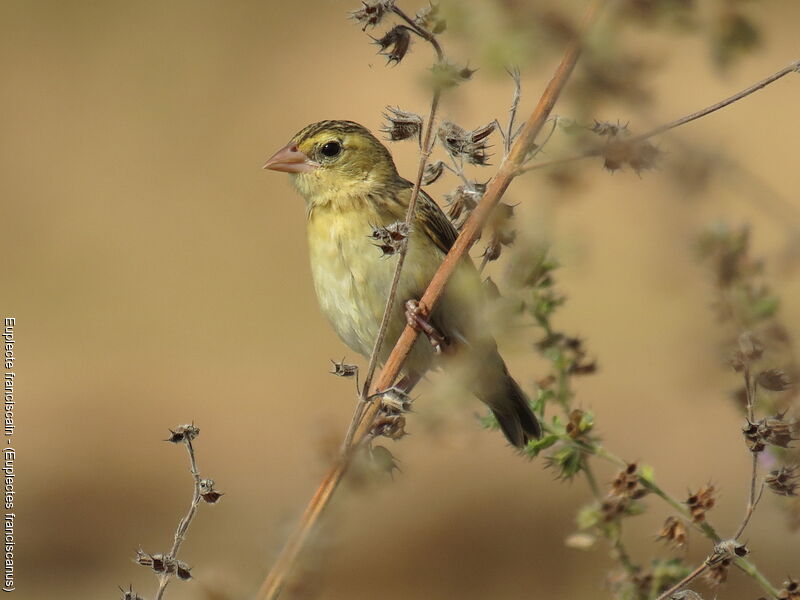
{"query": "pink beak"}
[(289, 159)]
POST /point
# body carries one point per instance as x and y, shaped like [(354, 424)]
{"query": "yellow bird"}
[(352, 189)]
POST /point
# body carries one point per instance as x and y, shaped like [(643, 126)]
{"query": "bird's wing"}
[(434, 222)]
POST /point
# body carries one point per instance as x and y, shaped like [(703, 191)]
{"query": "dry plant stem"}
[(391, 299), (509, 168), (683, 582), (752, 500), (794, 67), (183, 526)]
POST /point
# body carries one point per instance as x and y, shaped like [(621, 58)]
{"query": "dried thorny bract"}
[(790, 590), (775, 431), (394, 401), (462, 201), (401, 125), (391, 426), (372, 12), (720, 560), (395, 44), (129, 594), (383, 460), (182, 433), (774, 380), (783, 481), (700, 502), (674, 533), (609, 129), (390, 239), (208, 493), (432, 172), (342, 369), (466, 145), (163, 564), (640, 155)]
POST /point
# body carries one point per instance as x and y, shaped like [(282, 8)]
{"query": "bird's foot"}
[(417, 317)]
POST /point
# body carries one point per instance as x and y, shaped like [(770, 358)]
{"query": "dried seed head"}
[(777, 430), (774, 380), (580, 423), (394, 401), (673, 532), (752, 438), (208, 493), (626, 483), (466, 145), (783, 481), (716, 575), (428, 17), (182, 433), (432, 172), (395, 44), (341, 369), (390, 239), (700, 503), (790, 590), (372, 13), (462, 201), (609, 129), (161, 563), (129, 594), (640, 155), (383, 460), (390, 426), (750, 346), (401, 125)]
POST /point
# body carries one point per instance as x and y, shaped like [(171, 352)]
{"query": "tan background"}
[(159, 276)]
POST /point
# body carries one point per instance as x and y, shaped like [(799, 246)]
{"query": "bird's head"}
[(335, 160)]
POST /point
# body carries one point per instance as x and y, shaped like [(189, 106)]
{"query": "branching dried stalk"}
[(792, 68), (167, 566)]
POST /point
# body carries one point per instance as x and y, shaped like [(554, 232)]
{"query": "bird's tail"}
[(509, 406)]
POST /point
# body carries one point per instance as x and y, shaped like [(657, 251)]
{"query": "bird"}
[(353, 192)]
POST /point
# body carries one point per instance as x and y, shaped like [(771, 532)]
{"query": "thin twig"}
[(793, 67), (273, 584), (186, 521), (683, 582)]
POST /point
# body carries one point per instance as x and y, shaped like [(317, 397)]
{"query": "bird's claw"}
[(417, 318)]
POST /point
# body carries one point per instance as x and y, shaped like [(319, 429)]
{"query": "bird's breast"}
[(351, 277)]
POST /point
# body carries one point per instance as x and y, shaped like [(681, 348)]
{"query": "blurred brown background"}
[(159, 276)]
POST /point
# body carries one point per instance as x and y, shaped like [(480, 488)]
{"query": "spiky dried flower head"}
[(394, 45), (129, 594), (371, 13), (626, 484), (674, 532), (466, 145), (394, 401), (640, 155), (700, 502), (774, 380), (390, 426), (790, 590), (390, 239), (783, 481), (163, 564), (609, 129), (432, 172), (342, 369), (183, 433), (579, 425), (401, 125), (208, 493), (462, 201)]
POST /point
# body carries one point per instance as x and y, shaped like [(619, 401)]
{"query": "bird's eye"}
[(331, 149)]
